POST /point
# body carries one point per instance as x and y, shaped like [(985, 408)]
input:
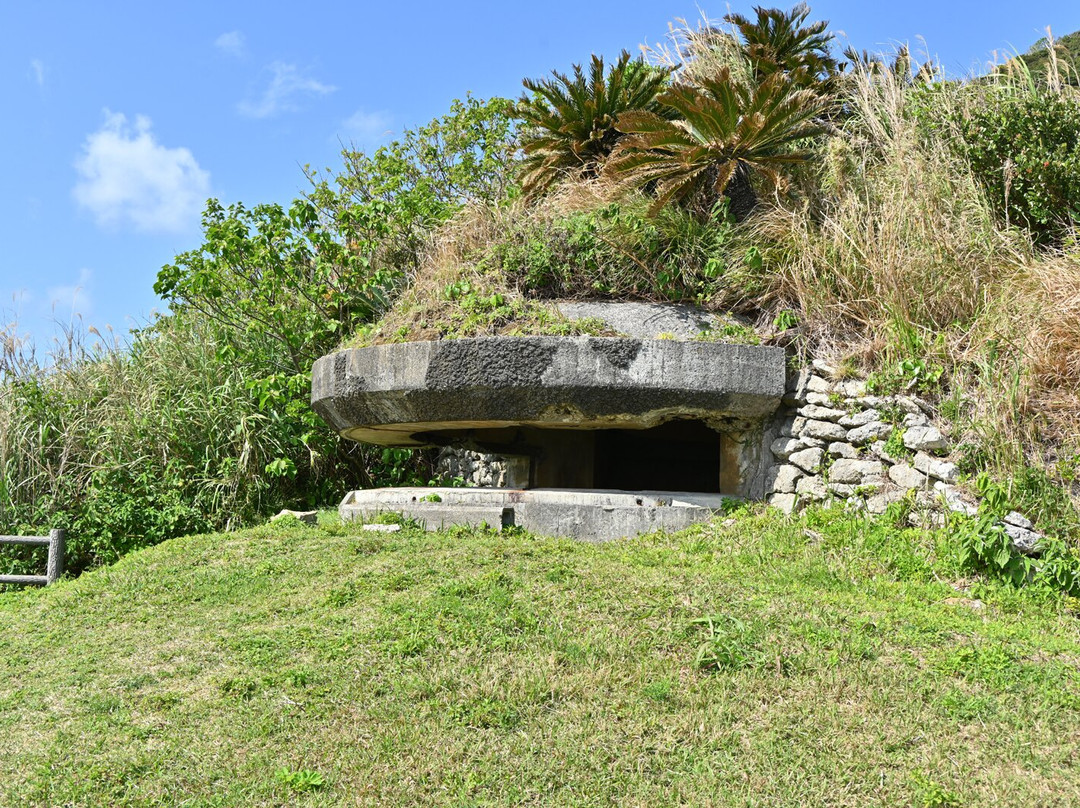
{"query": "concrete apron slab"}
[(591, 515)]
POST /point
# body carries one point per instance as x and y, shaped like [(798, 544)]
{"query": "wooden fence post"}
[(56, 556)]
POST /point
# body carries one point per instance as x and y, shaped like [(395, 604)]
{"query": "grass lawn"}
[(754, 661)]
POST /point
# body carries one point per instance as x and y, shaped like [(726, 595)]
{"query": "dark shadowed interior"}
[(676, 456), (680, 455)]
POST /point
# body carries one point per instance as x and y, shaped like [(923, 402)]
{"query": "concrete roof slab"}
[(400, 394)]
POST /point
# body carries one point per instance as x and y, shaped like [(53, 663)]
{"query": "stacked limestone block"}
[(832, 445), (481, 469)]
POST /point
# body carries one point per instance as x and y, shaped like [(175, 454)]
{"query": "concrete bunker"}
[(582, 415)]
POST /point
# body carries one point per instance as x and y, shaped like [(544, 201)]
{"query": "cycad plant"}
[(569, 121), (778, 42), (722, 132)]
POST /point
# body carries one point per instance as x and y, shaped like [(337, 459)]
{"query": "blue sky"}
[(124, 117)]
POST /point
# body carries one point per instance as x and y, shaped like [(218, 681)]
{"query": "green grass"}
[(753, 661)]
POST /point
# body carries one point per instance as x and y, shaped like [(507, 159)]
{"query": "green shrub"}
[(986, 546), (617, 250), (1024, 149)]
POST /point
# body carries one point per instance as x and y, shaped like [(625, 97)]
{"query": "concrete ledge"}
[(588, 515), (405, 394)]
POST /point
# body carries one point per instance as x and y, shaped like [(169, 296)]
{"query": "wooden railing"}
[(54, 566)]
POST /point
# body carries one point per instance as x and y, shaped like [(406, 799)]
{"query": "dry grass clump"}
[(453, 295), (1046, 319), (1054, 338), (902, 231)]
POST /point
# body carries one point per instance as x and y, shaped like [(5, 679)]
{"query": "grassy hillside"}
[(757, 660), (1066, 52)]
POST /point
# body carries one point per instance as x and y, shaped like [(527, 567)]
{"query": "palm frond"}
[(569, 120), (715, 129)]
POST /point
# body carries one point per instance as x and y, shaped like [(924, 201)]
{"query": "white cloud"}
[(287, 85), (231, 43), (126, 176), (366, 128), (37, 72), (74, 299)]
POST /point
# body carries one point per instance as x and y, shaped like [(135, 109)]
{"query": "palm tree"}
[(723, 131), (777, 41), (569, 121)]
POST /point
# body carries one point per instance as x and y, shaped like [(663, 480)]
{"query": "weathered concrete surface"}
[(588, 515), (405, 394), (644, 320)]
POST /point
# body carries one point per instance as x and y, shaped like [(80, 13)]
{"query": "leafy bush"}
[(1024, 149), (383, 205), (616, 250), (985, 545)]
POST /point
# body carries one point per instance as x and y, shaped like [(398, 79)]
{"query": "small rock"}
[(823, 430), (938, 469), (819, 399), (854, 471), (1023, 540), (783, 447), (924, 439), (907, 404), (798, 425), (821, 413), (785, 502), (906, 477), (841, 489), (873, 402), (875, 430), (817, 443), (812, 488), (816, 384), (382, 528), (915, 419), (953, 501), (926, 499), (782, 479), (798, 385), (839, 449), (1019, 520), (877, 448), (860, 418), (823, 367), (307, 517), (853, 389), (880, 501), (807, 459)]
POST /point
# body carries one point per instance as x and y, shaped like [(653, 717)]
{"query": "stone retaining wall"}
[(837, 442)]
